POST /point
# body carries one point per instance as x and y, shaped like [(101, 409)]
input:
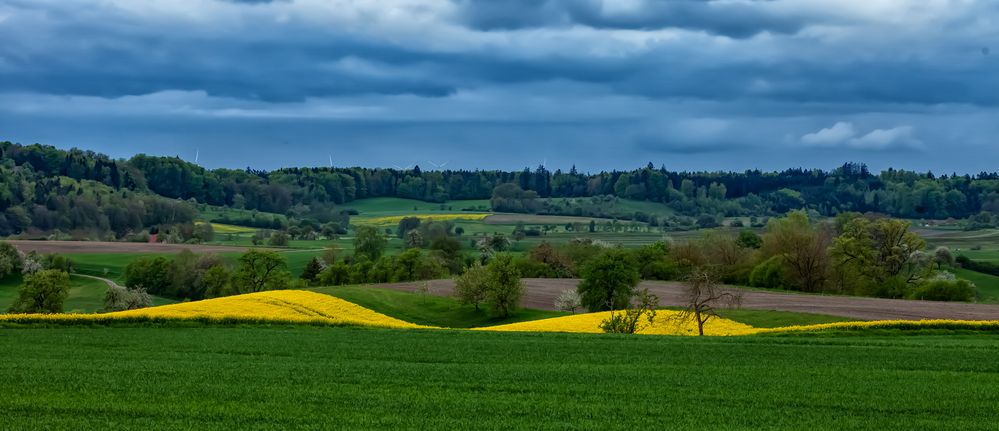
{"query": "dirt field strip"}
[(97, 247), (541, 293)]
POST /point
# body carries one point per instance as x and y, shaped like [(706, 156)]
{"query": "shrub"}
[(42, 292), (945, 290), (119, 298), (629, 320)]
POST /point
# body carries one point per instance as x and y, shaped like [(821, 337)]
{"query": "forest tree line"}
[(39, 183)]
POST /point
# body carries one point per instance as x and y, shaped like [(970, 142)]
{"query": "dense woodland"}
[(48, 189)]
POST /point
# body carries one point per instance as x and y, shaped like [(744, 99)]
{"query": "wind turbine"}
[(439, 165), (331, 161), (197, 154), (402, 168)]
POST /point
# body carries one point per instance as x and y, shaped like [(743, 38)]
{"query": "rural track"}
[(540, 293), (106, 281)]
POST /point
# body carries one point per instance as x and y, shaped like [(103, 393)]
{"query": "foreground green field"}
[(260, 378)]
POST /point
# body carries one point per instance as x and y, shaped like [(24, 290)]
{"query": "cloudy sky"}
[(698, 84)]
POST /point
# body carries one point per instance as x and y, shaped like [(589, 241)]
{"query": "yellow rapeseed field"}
[(979, 325), (667, 322), (228, 228), (310, 308), (278, 306), (433, 217)]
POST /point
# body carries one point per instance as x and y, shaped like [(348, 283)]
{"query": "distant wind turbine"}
[(403, 168), (331, 161), (439, 165), (197, 154)]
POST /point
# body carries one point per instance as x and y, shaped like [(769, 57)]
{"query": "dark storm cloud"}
[(737, 20), (643, 78)]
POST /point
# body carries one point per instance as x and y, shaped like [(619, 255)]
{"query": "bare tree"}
[(701, 297)]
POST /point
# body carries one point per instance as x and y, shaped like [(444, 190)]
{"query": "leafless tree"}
[(701, 297)]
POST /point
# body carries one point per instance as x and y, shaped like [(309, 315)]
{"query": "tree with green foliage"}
[(260, 270), (369, 242), (216, 281), (609, 281), (407, 224), (10, 259), (942, 256), (878, 249), (505, 288), (151, 273), (749, 239), (471, 287), (803, 249), (312, 270), (413, 239), (413, 265), (278, 239), (42, 292)]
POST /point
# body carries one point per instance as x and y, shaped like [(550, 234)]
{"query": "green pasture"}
[(274, 378), (428, 309), (86, 295), (987, 284)]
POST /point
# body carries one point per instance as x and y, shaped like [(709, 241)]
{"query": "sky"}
[(494, 84)]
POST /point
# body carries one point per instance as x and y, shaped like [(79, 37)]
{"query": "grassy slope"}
[(776, 319), (987, 284), (443, 311), (427, 310), (322, 378), (112, 265), (86, 295), (396, 206)]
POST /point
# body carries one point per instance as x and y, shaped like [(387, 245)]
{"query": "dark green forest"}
[(46, 189)]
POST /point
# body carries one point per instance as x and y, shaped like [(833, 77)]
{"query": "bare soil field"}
[(69, 247), (540, 294)]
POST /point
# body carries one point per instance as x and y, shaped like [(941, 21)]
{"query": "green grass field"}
[(112, 265), (271, 378), (428, 310), (987, 284), (448, 312), (381, 207), (86, 295)]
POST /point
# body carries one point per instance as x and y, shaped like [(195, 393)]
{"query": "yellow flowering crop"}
[(228, 228), (667, 322), (979, 325), (433, 217), (278, 306)]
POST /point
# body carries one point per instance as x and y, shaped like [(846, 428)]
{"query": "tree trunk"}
[(700, 323)]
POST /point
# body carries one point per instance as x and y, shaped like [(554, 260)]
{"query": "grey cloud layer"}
[(681, 77)]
